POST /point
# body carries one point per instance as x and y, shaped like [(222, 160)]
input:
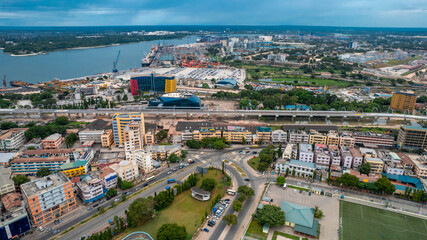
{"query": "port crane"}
[(115, 63)]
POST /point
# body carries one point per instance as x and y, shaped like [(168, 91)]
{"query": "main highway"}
[(208, 112)]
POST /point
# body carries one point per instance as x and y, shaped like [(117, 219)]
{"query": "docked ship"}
[(148, 59), (19, 84)]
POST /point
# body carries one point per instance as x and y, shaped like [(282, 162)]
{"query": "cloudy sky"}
[(359, 13)]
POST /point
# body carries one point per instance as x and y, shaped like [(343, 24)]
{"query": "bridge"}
[(189, 113)]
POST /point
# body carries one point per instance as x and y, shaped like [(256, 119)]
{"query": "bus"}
[(171, 180), (150, 178), (254, 146), (231, 192)]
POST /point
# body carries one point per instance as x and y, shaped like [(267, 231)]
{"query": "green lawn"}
[(185, 210), (276, 233), (255, 231), (363, 222), (309, 82), (240, 170), (254, 162)]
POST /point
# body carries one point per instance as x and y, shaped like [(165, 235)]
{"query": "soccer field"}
[(363, 222)]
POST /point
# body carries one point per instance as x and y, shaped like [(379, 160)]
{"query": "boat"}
[(19, 84), (148, 59)]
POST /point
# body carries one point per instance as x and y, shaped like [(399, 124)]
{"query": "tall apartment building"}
[(316, 137), (152, 83), (12, 139), (90, 189), (334, 152), (279, 136), (370, 138), (322, 157), (120, 122), (107, 138), (347, 139), (333, 138), (403, 101), (132, 138), (298, 137), (377, 164), (346, 157), (263, 134), (53, 141), (306, 152), (357, 157), (49, 197), (412, 137)]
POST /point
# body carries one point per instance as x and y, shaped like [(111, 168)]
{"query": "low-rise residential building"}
[(143, 159), (35, 143), (48, 198), (290, 152), (186, 135), (392, 167), (317, 137), (91, 135), (377, 139), (162, 152), (305, 152), (357, 157), (279, 136), (302, 168), (412, 137), (334, 152), (263, 134), (347, 139), (53, 141), (407, 163), (368, 153), (333, 138), (150, 138), (322, 157), (107, 138), (377, 164), (6, 184), (28, 165), (298, 136), (108, 177), (12, 139), (126, 170), (346, 157), (236, 135), (420, 165), (205, 132), (11, 200), (90, 189)]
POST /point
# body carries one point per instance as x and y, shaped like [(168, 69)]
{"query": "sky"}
[(354, 13)]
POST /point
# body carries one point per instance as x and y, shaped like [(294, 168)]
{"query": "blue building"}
[(228, 83), (15, 225), (152, 83), (176, 100)]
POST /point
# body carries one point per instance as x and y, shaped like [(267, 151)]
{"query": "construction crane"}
[(115, 63)]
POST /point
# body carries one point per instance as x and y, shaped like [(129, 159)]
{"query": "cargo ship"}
[(146, 61), (19, 84)]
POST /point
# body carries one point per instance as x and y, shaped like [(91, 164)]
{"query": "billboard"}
[(238, 129)]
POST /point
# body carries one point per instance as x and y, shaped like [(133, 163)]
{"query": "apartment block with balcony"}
[(90, 189), (53, 141), (403, 101), (108, 177), (150, 138), (412, 137), (306, 152), (290, 152), (127, 170), (377, 164), (162, 152), (347, 139), (333, 138), (321, 156), (420, 165), (298, 137), (236, 136), (334, 152), (301, 168), (346, 157), (48, 198), (107, 138), (279, 136), (357, 157), (317, 137), (263, 135), (132, 139), (12, 139), (205, 132)]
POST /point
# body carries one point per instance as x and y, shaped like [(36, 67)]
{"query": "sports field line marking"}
[(393, 228), (361, 210)]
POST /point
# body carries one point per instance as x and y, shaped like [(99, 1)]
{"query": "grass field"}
[(255, 231), (254, 162), (185, 210), (363, 222)]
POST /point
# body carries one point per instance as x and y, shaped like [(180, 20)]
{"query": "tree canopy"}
[(230, 219), (348, 180), (208, 184), (237, 205), (365, 168), (384, 185), (173, 158), (280, 180), (20, 179), (270, 215), (140, 211), (42, 172), (246, 191), (171, 231)]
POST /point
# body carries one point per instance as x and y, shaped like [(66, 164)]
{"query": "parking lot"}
[(215, 217), (329, 224)]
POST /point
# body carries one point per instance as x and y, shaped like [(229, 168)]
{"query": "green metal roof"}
[(298, 214), (307, 230), (71, 165), (415, 127)]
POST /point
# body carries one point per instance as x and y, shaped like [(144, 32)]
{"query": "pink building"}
[(357, 157), (53, 141)]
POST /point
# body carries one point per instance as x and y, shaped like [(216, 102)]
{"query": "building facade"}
[(305, 153), (152, 83), (120, 122), (298, 137), (279, 136), (412, 137), (90, 189), (301, 168), (381, 140), (12, 139), (126, 170), (6, 184), (107, 138), (403, 101), (53, 141)]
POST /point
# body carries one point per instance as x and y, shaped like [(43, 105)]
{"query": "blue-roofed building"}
[(302, 168), (15, 225), (297, 107), (227, 83), (301, 218), (402, 182), (176, 100)]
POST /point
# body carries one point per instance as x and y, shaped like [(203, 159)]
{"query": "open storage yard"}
[(363, 222)]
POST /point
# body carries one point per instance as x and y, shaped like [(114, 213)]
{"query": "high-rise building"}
[(412, 137), (121, 121), (152, 83), (49, 197), (132, 137), (403, 101)]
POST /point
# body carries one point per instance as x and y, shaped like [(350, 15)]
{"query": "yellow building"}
[(107, 138), (149, 138), (74, 169), (316, 137), (236, 136), (403, 101), (206, 132), (333, 138), (263, 134), (120, 122), (170, 85), (377, 165)]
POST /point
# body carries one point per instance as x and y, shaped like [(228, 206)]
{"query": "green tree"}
[(237, 205), (125, 97), (230, 219), (8, 125), (279, 151), (318, 213), (163, 199), (173, 158), (111, 193), (219, 145), (193, 144), (162, 134), (270, 215), (348, 180), (140, 211), (280, 180), (61, 120), (42, 172), (171, 231), (365, 168), (208, 184), (243, 140), (246, 191), (20, 179), (287, 172), (71, 139), (293, 172), (385, 186)]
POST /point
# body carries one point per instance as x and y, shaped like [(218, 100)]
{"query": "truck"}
[(171, 180)]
